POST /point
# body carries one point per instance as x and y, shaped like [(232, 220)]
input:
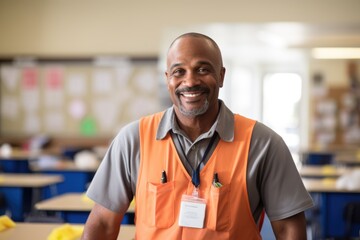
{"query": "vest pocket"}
[(160, 205), (219, 208)]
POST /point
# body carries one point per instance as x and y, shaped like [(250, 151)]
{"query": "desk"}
[(40, 231), (16, 162), (73, 207), (326, 171), (75, 179), (352, 159), (22, 191), (330, 202)]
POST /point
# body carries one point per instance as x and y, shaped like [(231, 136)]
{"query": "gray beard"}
[(195, 112)]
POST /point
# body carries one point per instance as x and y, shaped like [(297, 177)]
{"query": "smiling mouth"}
[(192, 94), (191, 97)]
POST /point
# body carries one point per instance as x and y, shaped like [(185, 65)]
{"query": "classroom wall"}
[(88, 28), (83, 27)]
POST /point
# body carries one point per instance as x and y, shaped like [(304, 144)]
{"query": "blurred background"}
[(74, 72), (83, 69)]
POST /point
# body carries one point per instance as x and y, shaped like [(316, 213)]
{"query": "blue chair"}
[(313, 158), (352, 219), (2, 204)]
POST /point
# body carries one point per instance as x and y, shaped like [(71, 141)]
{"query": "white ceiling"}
[(340, 35), (274, 41), (296, 35)]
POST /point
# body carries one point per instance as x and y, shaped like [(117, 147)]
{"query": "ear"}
[(222, 76), (166, 79)]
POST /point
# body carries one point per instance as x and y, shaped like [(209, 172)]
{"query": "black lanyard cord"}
[(195, 178)]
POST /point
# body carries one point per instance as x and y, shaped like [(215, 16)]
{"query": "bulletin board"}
[(335, 121), (76, 97)]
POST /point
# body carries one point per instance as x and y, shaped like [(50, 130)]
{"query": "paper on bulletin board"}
[(142, 106), (30, 79), (145, 81), (102, 82), (124, 97), (10, 77), (54, 121), (122, 75), (105, 111), (76, 85), (88, 126), (54, 77), (77, 109), (54, 99), (31, 123), (30, 100), (54, 96), (9, 107)]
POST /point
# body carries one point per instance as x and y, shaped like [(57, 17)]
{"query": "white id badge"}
[(192, 211)]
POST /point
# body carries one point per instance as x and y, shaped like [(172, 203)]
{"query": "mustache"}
[(191, 89)]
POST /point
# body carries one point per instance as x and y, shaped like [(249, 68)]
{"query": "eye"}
[(178, 72), (203, 70)]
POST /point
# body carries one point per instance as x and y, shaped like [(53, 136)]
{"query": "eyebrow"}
[(175, 65), (197, 63)]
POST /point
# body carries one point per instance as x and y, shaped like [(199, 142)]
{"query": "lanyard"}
[(195, 178)]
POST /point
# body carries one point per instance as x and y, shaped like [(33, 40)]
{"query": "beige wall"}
[(91, 27), (334, 72), (82, 28)]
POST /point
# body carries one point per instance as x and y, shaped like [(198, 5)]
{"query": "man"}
[(198, 171)]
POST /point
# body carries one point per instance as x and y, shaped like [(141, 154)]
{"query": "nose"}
[(191, 79)]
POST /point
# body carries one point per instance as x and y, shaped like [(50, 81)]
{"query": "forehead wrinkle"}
[(172, 66), (198, 63), (203, 62)]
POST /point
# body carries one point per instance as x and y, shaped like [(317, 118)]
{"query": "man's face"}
[(194, 76)]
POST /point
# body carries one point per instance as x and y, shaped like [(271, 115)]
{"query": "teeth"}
[(191, 94)]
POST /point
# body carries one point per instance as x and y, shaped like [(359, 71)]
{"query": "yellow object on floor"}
[(66, 232), (328, 181), (6, 222), (132, 203), (328, 169), (85, 198)]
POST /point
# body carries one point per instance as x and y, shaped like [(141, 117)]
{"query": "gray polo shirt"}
[(273, 181)]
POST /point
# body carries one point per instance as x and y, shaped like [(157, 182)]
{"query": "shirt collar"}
[(224, 123)]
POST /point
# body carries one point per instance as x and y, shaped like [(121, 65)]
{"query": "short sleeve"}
[(272, 171), (113, 185)]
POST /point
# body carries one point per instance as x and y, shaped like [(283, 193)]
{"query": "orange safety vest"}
[(228, 214)]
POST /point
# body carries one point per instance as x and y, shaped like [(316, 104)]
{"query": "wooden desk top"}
[(69, 202), (323, 171), (18, 154), (349, 161), (350, 157), (325, 185), (28, 180), (64, 165), (41, 231), (23, 154)]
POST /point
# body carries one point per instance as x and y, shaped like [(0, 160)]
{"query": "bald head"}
[(209, 41)]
